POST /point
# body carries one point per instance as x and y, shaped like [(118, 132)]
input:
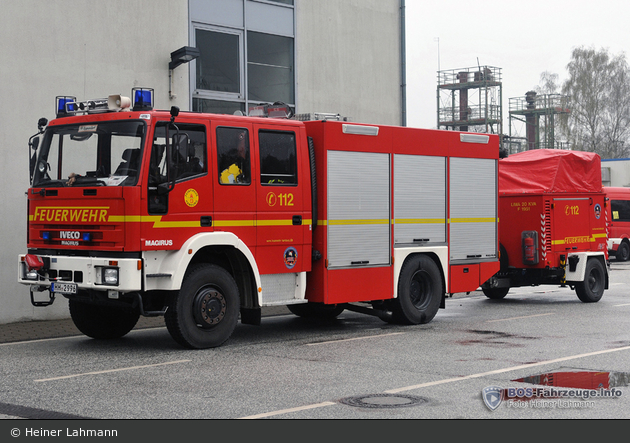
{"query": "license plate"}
[(63, 288)]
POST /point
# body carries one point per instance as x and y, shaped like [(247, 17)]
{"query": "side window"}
[(620, 210), (278, 158), (188, 153), (233, 156)]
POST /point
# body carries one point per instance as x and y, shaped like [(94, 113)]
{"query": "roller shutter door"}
[(358, 209), (473, 209), (419, 199)]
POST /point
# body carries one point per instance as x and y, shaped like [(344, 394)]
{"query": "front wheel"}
[(592, 288), (420, 291), (205, 311), (102, 322)]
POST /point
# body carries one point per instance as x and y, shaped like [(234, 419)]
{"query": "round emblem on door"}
[(191, 197)]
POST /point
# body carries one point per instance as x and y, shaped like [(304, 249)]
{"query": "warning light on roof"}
[(142, 99), (66, 105)]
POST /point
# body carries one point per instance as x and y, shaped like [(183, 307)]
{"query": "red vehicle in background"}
[(552, 223), (619, 222)]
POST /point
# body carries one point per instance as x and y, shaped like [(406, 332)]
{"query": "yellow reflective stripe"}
[(228, 223), (473, 220), (410, 221), (359, 222), (581, 239), (159, 223)]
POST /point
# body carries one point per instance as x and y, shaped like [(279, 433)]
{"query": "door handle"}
[(206, 221), (297, 220)]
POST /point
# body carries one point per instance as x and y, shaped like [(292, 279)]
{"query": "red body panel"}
[(617, 213)]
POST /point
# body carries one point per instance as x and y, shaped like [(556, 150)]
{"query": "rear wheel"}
[(592, 288), (420, 291), (495, 293), (205, 311), (623, 251), (102, 322), (316, 310)]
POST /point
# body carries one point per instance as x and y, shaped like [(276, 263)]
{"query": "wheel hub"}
[(209, 308)]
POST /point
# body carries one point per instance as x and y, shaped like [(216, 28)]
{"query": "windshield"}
[(93, 154)]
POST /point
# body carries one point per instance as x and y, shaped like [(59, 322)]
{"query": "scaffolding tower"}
[(469, 99), (533, 121)]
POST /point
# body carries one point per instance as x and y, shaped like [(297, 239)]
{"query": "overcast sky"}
[(522, 38)]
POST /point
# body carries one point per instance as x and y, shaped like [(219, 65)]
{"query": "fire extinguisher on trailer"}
[(529, 242)]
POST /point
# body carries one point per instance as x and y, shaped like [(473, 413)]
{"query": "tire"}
[(495, 293), (316, 310), (420, 291), (592, 288), (204, 313), (102, 322), (623, 251)]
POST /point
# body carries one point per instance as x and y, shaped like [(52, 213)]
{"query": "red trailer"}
[(552, 223)]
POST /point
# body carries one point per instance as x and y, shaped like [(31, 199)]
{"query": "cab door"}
[(282, 215), (178, 214), (234, 181)]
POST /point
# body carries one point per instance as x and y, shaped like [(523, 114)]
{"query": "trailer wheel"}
[(495, 293), (205, 311), (316, 310), (102, 322), (623, 252), (420, 291), (592, 288)]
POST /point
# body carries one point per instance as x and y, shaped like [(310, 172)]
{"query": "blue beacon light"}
[(65, 105), (142, 99)]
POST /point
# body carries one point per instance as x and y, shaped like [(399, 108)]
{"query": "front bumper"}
[(86, 272)]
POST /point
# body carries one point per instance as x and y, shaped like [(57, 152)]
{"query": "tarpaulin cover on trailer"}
[(550, 170)]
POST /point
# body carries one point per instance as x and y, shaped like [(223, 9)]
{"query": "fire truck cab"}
[(205, 218)]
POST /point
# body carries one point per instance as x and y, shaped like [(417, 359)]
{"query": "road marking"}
[(108, 371), (352, 339), (287, 411), (625, 304), (447, 381), (500, 371), (40, 340), (518, 318)]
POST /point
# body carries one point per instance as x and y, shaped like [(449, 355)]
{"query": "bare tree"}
[(600, 102), (548, 83)]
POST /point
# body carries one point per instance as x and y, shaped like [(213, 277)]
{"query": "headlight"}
[(110, 276)]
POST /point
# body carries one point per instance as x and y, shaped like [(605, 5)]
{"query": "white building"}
[(334, 56)]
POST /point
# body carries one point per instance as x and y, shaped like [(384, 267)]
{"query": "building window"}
[(247, 54), (218, 67), (270, 68)]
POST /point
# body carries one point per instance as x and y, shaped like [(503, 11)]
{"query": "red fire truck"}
[(204, 218), (619, 222), (552, 226)]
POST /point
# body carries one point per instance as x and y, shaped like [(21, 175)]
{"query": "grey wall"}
[(348, 62), (348, 59), (85, 48)]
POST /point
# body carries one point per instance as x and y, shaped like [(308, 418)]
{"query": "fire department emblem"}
[(492, 396), (598, 211), (191, 197), (290, 257)]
